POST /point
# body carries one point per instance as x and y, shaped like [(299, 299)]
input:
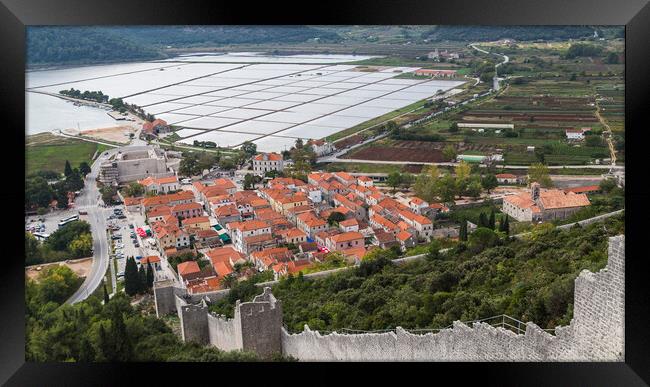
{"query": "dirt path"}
[(609, 134)]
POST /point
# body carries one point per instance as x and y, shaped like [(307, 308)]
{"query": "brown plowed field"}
[(415, 151)]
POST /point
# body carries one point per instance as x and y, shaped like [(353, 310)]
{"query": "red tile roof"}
[(188, 267)]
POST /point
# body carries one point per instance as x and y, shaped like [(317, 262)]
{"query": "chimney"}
[(534, 191)]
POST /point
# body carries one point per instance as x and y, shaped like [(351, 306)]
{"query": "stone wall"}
[(223, 333), (194, 321), (596, 332)]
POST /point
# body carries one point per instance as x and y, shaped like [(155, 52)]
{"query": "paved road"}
[(453, 164), (89, 200)]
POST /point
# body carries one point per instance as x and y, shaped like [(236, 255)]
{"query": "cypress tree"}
[(149, 275), (131, 278), (105, 344), (106, 298), (506, 227), (482, 220), (120, 337), (492, 221), (67, 171), (463, 231), (142, 280), (86, 351)]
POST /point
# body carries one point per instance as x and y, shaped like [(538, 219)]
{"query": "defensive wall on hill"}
[(596, 332)]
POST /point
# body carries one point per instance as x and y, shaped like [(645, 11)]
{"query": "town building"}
[(344, 241), (161, 185), (543, 204), (509, 178), (321, 147), (266, 162), (136, 163), (436, 73)]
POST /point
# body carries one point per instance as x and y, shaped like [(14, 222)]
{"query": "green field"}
[(45, 151)]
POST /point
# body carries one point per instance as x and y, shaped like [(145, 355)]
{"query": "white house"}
[(266, 162)]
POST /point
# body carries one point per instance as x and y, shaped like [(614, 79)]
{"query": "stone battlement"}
[(596, 332)]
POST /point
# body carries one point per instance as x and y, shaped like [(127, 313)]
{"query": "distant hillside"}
[(489, 33), (185, 36), (81, 45)]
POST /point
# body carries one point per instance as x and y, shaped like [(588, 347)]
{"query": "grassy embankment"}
[(45, 151)]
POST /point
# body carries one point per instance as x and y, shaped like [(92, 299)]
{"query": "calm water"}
[(46, 113)]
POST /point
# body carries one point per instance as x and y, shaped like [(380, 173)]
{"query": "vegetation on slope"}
[(90, 331), (530, 279)]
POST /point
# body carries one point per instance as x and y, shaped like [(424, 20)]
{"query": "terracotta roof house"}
[(544, 204)]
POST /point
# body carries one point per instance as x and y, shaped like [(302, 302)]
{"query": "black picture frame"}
[(635, 15)]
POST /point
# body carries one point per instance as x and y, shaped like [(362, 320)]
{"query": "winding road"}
[(89, 201)]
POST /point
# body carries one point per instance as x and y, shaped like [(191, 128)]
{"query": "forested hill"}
[(489, 33), (82, 45)]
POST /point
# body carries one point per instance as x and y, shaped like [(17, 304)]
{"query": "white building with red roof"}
[(266, 162), (543, 204)]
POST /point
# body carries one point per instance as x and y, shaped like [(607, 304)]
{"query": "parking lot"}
[(50, 220)]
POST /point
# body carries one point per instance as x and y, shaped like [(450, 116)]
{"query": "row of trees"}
[(431, 185), (96, 96), (73, 240), (137, 281)]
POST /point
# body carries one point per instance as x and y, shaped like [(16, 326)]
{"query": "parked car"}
[(136, 244), (130, 225)]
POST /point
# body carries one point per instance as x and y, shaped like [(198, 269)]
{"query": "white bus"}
[(65, 221), (41, 236)]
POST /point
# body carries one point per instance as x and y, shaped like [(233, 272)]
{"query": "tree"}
[(462, 234), (135, 189), (483, 220), (249, 148), (189, 165), (142, 279), (612, 58), (131, 278), (394, 180), (482, 238), (446, 188), (84, 168), (449, 153), (150, 275), (67, 171), (492, 220), (32, 251), (425, 183), (607, 185), (462, 171), (539, 173), (407, 180), (504, 226), (489, 182), (81, 246), (433, 251), (250, 180), (453, 128), (594, 141), (474, 187), (108, 192), (86, 351), (335, 217), (106, 298)]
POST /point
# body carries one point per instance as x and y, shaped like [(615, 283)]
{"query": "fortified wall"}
[(596, 332)]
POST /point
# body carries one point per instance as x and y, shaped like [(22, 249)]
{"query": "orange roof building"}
[(544, 204)]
